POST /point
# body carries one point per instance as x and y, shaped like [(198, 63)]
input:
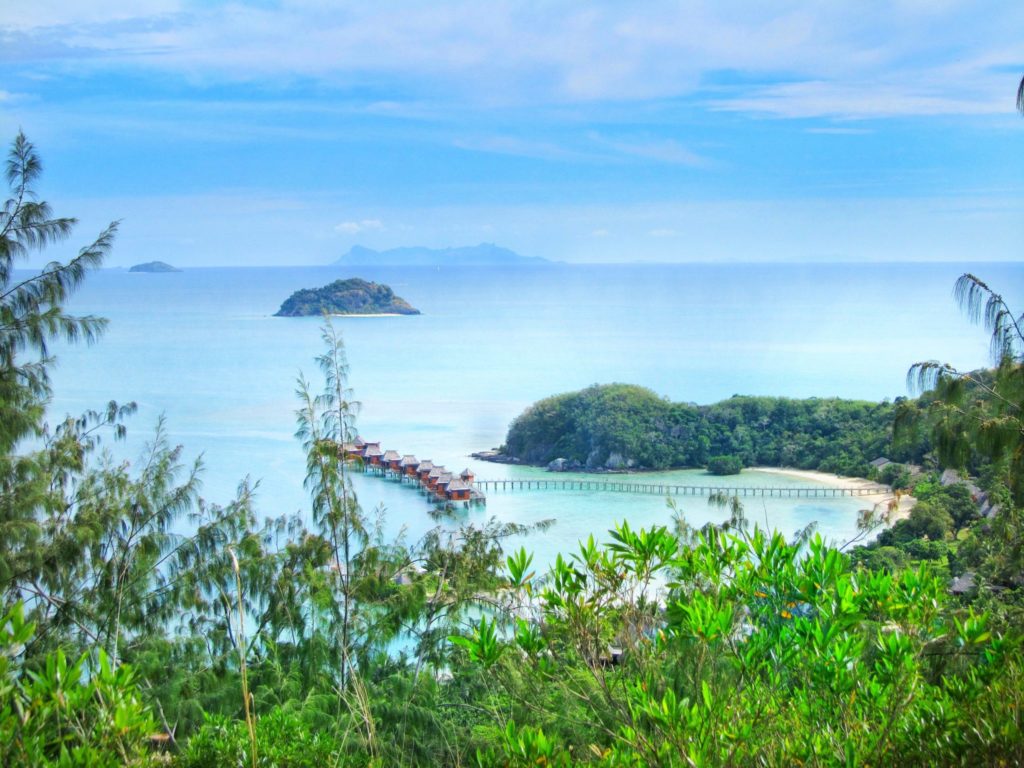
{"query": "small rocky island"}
[(154, 266), (345, 297)]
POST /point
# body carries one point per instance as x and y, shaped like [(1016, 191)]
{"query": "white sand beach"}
[(368, 314), (884, 502)]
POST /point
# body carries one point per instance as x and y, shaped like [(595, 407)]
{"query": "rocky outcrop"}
[(346, 297)]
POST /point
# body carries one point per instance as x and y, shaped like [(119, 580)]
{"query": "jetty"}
[(662, 489), (433, 480), (446, 487)]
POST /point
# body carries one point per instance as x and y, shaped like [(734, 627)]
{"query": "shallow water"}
[(202, 348)]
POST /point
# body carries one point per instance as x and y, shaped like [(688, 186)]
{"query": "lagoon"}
[(202, 348)]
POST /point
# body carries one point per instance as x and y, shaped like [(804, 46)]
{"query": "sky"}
[(283, 133)]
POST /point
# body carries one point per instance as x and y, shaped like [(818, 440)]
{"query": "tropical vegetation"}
[(124, 641), (621, 425)]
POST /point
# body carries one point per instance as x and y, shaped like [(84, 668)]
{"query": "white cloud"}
[(599, 233), (511, 145), (660, 150), (662, 232), (836, 131), (355, 227), (864, 101), (794, 59)]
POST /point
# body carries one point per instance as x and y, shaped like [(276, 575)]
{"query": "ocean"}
[(202, 349)]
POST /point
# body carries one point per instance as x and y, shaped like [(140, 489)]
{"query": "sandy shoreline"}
[(881, 500), (368, 314)]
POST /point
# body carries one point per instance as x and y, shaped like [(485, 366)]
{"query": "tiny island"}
[(346, 297), (154, 266)]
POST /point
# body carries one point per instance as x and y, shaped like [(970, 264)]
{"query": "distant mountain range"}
[(485, 254), (154, 266)]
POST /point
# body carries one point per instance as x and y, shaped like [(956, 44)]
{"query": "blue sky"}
[(233, 133)]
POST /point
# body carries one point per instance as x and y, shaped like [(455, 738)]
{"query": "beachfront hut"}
[(407, 466), (390, 460), (467, 476), (351, 451), (458, 490)]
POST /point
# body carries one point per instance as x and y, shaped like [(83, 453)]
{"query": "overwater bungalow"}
[(407, 466), (432, 477), (423, 469), (372, 454), (458, 490), (390, 461), (443, 481), (435, 480)]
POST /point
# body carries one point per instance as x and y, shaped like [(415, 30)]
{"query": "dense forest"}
[(620, 425), (124, 641)]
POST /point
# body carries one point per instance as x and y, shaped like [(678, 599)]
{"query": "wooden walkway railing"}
[(661, 489)]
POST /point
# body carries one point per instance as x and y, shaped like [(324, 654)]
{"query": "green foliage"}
[(283, 740), (725, 465), (895, 475), (764, 654), (483, 646), (31, 310), (623, 425), (977, 417), (345, 297), (67, 713)]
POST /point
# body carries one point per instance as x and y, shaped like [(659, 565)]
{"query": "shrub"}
[(725, 465)]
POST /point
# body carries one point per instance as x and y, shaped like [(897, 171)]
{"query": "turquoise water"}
[(202, 348)]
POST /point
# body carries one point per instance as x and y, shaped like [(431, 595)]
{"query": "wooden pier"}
[(446, 487), (661, 489)]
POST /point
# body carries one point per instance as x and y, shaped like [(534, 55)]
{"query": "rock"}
[(615, 461), (558, 465), (963, 584)]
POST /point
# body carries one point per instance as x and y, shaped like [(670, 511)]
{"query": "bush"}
[(725, 465), (68, 713), (283, 740)]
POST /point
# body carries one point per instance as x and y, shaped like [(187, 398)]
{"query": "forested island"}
[(622, 426), (154, 266), (345, 297)]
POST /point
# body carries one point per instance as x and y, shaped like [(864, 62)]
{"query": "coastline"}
[(882, 501), (366, 314)]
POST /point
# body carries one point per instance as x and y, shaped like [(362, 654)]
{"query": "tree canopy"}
[(627, 425)]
